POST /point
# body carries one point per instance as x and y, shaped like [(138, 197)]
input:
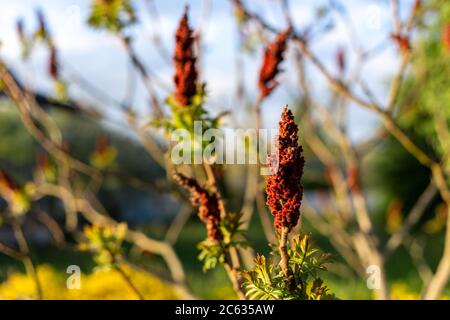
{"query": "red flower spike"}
[(53, 67), (208, 212), (185, 77), (403, 43), (341, 60), (446, 37), (284, 188), (273, 56)]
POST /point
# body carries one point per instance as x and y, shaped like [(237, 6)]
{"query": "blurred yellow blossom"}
[(437, 223), (102, 285), (105, 243), (401, 291)]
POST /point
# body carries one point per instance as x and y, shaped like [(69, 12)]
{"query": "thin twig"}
[(129, 282)]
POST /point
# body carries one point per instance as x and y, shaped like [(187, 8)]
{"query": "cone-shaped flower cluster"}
[(273, 56), (341, 60), (446, 37), (283, 187), (185, 69), (208, 212)]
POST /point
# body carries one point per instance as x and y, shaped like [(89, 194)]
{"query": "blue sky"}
[(98, 56)]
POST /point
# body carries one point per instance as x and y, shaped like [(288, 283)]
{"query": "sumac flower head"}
[(403, 44), (446, 37), (208, 204), (341, 60), (284, 188), (53, 65), (353, 177), (185, 77), (273, 56)]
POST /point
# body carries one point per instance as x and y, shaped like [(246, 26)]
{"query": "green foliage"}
[(61, 91), (192, 119), (16, 146), (105, 243), (18, 200), (391, 165), (211, 254), (184, 117), (267, 281), (112, 15), (233, 233), (214, 253), (19, 203), (426, 94), (424, 98)]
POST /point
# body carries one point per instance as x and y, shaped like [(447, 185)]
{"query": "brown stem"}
[(11, 252), (235, 279), (129, 282), (143, 72), (26, 259), (285, 257), (52, 226), (442, 275), (65, 192), (232, 268), (413, 217), (139, 239)]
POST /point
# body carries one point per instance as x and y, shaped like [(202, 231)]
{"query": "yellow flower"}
[(400, 291), (103, 285)]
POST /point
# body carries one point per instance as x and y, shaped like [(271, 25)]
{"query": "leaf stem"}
[(129, 282), (26, 259), (285, 258)]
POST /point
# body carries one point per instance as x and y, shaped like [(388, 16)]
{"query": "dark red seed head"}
[(283, 187), (185, 77), (208, 205), (273, 56)]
